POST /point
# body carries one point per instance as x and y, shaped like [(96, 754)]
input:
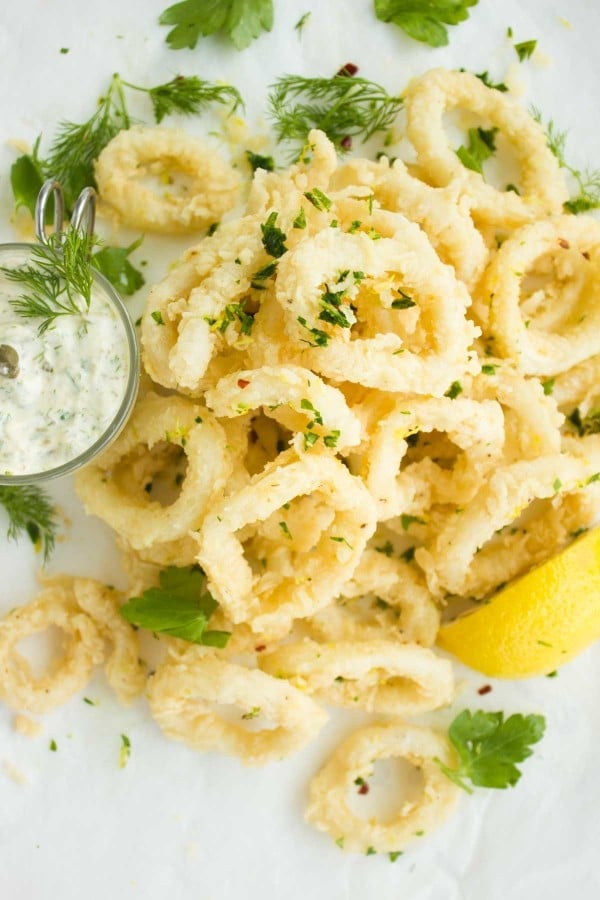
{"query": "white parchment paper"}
[(174, 824)]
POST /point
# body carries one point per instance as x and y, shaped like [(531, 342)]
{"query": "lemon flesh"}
[(536, 623)]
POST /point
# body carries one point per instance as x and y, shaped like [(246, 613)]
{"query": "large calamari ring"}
[(328, 808), (380, 676), (209, 185), (185, 687)]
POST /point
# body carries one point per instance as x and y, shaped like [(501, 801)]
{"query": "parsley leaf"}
[(180, 607), (489, 747), (484, 76), (30, 511), (26, 180), (260, 162), (424, 20), (242, 20), (113, 263), (273, 238), (525, 49), (481, 146)]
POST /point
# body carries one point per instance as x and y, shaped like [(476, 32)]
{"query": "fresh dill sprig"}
[(188, 95), (30, 511), (342, 107), (76, 147), (587, 180), (58, 281)]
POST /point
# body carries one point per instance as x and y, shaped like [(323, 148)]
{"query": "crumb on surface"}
[(14, 773), (26, 726)]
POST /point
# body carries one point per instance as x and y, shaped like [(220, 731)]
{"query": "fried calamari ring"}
[(325, 278), (441, 213), (185, 687), (477, 428), (295, 397), (382, 676), (123, 669), (543, 188), (509, 490), (401, 605), (328, 808), (141, 521), (557, 334), (83, 649), (268, 599), (209, 185)]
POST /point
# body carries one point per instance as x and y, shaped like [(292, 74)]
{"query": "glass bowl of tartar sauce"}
[(65, 393)]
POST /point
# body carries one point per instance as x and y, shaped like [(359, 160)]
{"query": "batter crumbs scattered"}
[(29, 727)]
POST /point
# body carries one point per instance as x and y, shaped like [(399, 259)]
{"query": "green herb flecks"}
[(343, 107), (525, 49), (424, 21), (180, 607), (489, 747), (241, 20), (273, 238), (260, 162), (481, 146), (587, 180), (125, 751)]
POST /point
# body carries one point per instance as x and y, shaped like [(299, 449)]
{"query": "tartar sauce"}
[(71, 381)]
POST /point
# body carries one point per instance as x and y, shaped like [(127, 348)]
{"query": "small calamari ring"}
[(508, 491), (381, 676), (442, 214), (187, 334), (84, 649), (185, 687), (477, 428), (271, 600), (543, 187), (123, 669), (401, 605), (214, 186), (141, 521), (295, 397), (559, 334), (322, 280), (328, 808)]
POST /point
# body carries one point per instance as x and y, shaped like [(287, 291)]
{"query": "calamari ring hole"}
[(43, 650), (555, 289), (370, 609), (154, 475), (382, 792), (165, 177), (502, 167), (266, 440), (434, 445)]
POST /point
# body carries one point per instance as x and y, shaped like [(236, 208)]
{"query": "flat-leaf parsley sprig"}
[(424, 20), (76, 147), (241, 20), (343, 107), (488, 747), (57, 282), (588, 180), (180, 607), (30, 511)]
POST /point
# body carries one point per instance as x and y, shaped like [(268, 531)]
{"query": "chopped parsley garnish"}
[(424, 21), (409, 554), (589, 424), (301, 23), (53, 746), (241, 20), (481, 146), (125, 751), (285, 528), (407, 520), (341, 540), (525, 49), (273, 238), (180, 607), (454, 390), (405, 301), (300, 220), (30, 511), (497, 86), (260, 162), (259, 278), (387, 549), (321, 338), (331, 311), (253, 713), (234, 312), (157, 316), (489, 369), (310, 439), (343, 107), (330, 440), (548, 386), (317, 418), (318, 199), (394, 854), (489, 747)]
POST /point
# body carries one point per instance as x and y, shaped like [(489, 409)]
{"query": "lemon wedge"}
[(537, 622)]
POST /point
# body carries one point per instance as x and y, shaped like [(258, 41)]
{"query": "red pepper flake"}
[(485, 689), (585, 254), (364, 788), (346, 143), (242, 383), (260, 648), (347, 71), (564, 244)]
